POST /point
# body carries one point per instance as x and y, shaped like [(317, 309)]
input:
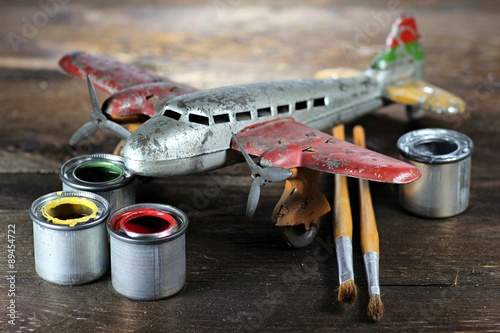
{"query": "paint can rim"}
[(68, 173), (103, 210), (179, 230), (435, 146)]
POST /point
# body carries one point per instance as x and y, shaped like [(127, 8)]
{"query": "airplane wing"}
[(134, 90), (111, 75), (107, 74), (289, 144), (427, 96)]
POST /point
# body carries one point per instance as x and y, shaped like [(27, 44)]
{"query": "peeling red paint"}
[(289, 144), (107, 74), (137, 99), (131, 86)]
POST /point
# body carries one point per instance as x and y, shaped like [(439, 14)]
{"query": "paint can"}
[(148, 255), (70, 238), (444, 159), (103, 174)]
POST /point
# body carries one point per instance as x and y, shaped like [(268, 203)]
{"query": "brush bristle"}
[(375, 307), (348, 292)]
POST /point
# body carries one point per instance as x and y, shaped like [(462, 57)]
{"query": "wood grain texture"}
[(436, 275)]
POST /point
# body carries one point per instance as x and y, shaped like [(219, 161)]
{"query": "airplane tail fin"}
[(402, 56), (399, 69)]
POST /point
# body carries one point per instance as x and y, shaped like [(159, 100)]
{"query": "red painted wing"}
[(132, 87), (138, 99), (289, 144), (107, 74)]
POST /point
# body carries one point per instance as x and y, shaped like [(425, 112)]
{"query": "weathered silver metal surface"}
[(444, 159), (149, 268), (103, 174), (192, 131), (70, 255), (371, 260), (343, 246), (405, 71)]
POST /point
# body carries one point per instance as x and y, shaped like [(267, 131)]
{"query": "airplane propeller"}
[(261, 176), (98, 120)]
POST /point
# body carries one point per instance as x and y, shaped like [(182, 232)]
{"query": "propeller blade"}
[(260, 176), (275, 174), (83, 132), (116, 129), (93, 97), (253, 197), (97, 120)]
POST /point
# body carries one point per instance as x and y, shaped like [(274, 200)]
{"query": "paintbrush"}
[(369, 238), (342, 232)]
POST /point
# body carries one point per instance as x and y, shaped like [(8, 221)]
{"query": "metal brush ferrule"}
[(371, 260), (343, 246)]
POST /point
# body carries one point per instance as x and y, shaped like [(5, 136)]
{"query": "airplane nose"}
[(147, 147)]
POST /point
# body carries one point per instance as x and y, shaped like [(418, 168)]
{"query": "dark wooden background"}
[(436, 275)]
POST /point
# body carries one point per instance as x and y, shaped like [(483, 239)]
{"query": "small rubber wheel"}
[(298, 236)]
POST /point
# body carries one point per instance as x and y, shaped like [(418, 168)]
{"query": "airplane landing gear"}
[(300, 207), (298, 236)]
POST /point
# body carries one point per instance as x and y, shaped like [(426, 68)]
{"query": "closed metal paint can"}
[(103, 174), (70, 238), (444, 159), (148, 254)]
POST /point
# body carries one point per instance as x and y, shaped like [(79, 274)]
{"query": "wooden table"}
[(436, 275)]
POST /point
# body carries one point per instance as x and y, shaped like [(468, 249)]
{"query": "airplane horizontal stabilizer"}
[(425, 96)]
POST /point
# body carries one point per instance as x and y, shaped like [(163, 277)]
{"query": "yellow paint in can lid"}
[(69, 210)]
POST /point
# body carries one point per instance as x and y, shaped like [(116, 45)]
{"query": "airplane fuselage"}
[(192, 133)]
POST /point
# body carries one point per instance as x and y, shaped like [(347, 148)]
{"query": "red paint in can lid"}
[(144, 223)]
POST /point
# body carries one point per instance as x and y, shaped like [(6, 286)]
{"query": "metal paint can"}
[(148, 255), (103, 174), (70, 238), (444, 159)]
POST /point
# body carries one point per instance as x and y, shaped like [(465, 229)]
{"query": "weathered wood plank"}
[(240, 274)]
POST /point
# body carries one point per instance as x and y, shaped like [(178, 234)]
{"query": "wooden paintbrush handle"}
[(342, 205), (368, 224)]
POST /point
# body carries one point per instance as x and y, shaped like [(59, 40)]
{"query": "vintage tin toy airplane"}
[(281, 123)]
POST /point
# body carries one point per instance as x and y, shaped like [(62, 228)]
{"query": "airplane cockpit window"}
[(264, 112), (198, 119), (283, 109), (245, 115), (221, 118), (301, 105), (172, 114), (319, 102)]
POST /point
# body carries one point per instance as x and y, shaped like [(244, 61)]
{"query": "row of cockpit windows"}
[(247, 115)]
